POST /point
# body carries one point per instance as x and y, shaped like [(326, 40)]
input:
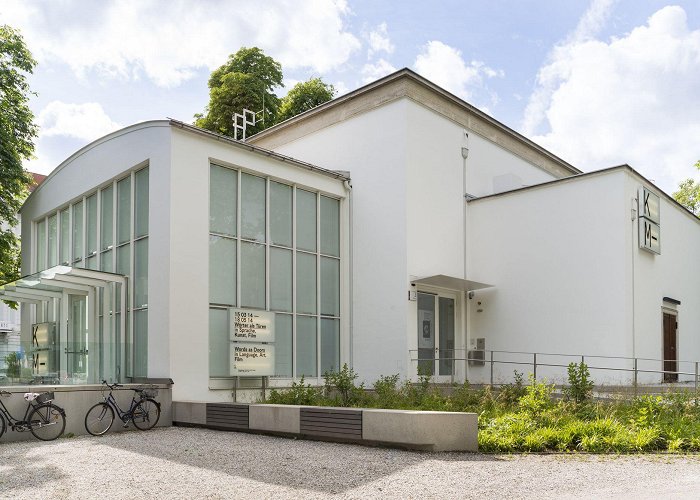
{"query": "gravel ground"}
[(198, 463)]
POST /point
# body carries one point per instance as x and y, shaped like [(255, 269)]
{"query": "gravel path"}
[(199, 463)]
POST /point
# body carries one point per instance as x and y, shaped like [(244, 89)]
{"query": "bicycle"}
[(144, 412), (45, 420)]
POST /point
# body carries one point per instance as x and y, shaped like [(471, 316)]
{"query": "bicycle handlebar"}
[(5, 393), (112, 386)]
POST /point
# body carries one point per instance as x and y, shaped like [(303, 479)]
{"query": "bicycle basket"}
[(45, 397), (148, 392)]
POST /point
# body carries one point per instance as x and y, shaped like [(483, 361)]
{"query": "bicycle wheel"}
[(99, 419), (146, 414), (47, 422), (3, 425)]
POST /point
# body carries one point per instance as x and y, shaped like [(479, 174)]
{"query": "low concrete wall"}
[(429, 430), (423, 430), (274, 418), (76, 401)]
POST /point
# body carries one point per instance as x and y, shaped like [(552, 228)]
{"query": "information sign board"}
[(248, 325), (250, 359)]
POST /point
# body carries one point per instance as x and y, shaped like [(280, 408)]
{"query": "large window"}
[(285, 259), (107, 230)]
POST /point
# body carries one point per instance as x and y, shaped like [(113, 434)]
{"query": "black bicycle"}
[(144, 411), (45, 420)]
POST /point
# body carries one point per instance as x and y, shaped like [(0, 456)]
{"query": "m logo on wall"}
[(649, 221)]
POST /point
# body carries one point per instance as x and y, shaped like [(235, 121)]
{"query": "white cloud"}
[(86, 121), (377, 70), (632, 99), (169, 40), (379, 41), (445, 66)]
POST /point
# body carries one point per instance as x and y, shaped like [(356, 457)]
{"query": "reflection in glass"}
[(222, 270), (252, 275), (252, 207), (219, 342), (223, 200), (280, 279), (306, 220), (283, 345), (306, 346), (330, 226)]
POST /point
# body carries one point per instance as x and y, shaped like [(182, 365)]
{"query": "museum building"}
[(397, 229)]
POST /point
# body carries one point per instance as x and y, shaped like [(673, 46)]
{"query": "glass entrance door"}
[(76, 349), (436, 334)]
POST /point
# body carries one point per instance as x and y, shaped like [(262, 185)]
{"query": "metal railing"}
[(491, 358)]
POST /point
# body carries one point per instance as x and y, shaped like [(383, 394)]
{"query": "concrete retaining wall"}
[(76, 401), (423, 430)]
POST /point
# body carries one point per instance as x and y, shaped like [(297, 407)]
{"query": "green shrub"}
[(537, 398), (510, 394), (298, 394), (580, 387), (340, 388)]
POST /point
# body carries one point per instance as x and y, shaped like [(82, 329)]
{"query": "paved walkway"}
[(198, 463)]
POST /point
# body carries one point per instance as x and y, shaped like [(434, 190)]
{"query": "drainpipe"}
[(348, 189), (465, 315)]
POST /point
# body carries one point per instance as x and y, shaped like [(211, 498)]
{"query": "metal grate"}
[(331, 422), (228, 416)]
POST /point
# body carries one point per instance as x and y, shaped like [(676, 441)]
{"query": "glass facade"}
[(106, 230), (285, 258)]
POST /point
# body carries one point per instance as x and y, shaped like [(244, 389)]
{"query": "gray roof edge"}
[(258, 150), (408, 73), (624, 167)]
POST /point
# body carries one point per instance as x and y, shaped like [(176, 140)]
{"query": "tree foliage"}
[(17, 134), (688, 194), (246, 80), (303, 97)]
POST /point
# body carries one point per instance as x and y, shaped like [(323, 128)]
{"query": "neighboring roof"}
[(343, 176), (595, 173), (37, 179), (407, 83)]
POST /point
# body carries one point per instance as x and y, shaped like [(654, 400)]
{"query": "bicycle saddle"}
[(31, 396)]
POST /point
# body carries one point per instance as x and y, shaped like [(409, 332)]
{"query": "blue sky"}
[(598, 82)]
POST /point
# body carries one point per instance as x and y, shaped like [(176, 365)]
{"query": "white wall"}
[(557, 256), (373, 147), (189, 249), (407, 172), (674, 273)]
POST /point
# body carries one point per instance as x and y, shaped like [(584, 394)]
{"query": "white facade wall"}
[(373, 147), (675, 274), (570, 278), (407, 214)]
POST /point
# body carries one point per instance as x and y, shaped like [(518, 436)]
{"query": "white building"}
[(388, 229)]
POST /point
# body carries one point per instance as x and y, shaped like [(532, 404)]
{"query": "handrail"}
[(491, 361)]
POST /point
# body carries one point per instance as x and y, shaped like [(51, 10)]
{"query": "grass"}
[(528, 417)]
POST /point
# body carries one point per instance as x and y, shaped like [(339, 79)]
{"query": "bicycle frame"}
[(16, 424), (124, 416)]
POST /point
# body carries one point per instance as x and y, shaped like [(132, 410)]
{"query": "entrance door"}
[(436, 334), (670, 356), (77, 344)]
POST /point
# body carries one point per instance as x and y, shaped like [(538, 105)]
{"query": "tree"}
[(688, 194), (17, 134), (246, 80), (303, 97)]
